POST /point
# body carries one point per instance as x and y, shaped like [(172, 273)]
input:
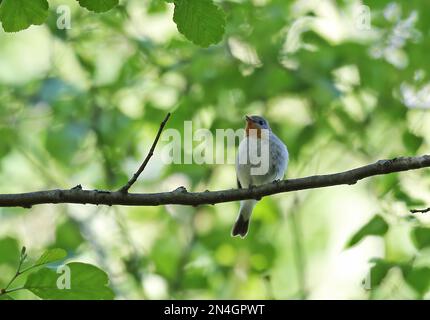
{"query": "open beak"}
[(248, 119)]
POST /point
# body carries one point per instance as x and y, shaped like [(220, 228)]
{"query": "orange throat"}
[(255, 130)]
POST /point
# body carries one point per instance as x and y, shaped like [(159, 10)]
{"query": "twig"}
[(420, 210), (125, 188), (18, 272)]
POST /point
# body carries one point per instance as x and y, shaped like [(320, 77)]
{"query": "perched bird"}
[(262, 158)]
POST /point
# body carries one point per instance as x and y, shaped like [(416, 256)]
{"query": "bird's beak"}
[(248, 119)]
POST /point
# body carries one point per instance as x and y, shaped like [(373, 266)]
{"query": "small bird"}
[(259, 143)]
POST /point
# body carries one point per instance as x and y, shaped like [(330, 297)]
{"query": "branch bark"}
[(181, 196), (133, 179), (420, 210)]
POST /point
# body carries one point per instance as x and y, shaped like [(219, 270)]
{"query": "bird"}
[(259, 143)]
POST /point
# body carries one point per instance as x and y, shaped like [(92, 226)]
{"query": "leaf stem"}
[(30, 268), (18, 272), (13, 290)]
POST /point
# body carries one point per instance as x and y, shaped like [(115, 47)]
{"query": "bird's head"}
[(257, 123)]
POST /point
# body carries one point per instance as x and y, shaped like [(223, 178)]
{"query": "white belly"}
[(268, 164)]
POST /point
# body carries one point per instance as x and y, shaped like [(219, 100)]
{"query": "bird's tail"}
[(242, 223)]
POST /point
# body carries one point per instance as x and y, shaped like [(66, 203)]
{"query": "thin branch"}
[(125, 188), (420, 210), (181, 196)]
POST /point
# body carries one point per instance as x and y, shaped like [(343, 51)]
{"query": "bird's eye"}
[(261, 122)]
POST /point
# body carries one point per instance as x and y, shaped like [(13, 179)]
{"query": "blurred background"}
[(82, 106)]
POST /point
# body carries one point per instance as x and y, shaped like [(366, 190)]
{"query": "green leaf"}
[(5, 297), (6, 142), (87, 282), (201, 21), (68, 236), (379, 271), (375, 227), (399, 194), (412, 142), (419, 279), (421, 237), (98, 5), (51, 255), (63, 141), (17, 15)]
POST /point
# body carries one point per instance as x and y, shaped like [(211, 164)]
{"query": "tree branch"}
[(181, 196), (125, 188)]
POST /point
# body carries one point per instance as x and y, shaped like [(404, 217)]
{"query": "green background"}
[(82, 106)]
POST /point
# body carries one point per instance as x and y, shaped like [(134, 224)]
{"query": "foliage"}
[(421, 237), (98, 5), (376, 227), (18, 15), (82, 106), (87, 282), (80, 281), (201, 21)]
